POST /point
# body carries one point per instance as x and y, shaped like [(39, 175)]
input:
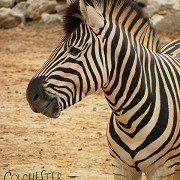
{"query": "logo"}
[(42, 175)]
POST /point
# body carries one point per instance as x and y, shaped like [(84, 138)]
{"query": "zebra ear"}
[(93, 18)]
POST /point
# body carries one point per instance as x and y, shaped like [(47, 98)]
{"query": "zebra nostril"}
[(36, 98)]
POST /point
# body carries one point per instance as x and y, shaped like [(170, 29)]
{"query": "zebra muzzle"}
[(40, 101)]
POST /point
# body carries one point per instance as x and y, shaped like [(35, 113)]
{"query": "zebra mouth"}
[(52, 109)]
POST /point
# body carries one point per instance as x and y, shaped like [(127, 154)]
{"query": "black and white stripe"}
[(140, 81)]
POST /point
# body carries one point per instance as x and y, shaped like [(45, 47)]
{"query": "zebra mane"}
[(72, 18), (121, 10)]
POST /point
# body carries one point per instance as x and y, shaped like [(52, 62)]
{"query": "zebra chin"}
[(52, 110)]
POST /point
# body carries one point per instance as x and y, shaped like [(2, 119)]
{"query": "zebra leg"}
[(124, 173), (161, 173), (177, 173)]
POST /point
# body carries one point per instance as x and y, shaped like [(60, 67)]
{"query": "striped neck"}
[(124, 13), (128, 78), (129, 17)]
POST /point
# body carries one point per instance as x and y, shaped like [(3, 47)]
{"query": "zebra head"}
[(75, 69)]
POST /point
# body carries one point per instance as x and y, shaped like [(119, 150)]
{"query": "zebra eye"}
[(74, 51)]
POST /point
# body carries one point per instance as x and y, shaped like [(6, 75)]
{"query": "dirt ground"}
[(32, 145)]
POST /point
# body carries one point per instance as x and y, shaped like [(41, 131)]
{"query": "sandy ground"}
[(30, 144)]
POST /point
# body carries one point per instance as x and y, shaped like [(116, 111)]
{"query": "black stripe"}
[(133, 23), (160, 126), (119, 65), (93, 55), (90, 69), (114, 44), (117, 139), (68, 98)]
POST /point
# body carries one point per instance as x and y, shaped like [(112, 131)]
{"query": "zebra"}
[(111, 45)]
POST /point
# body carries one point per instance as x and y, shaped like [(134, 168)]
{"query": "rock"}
[(177, 5), (7, 3), (9, 18), (51, 18), (21, 8), (151, 8), (156, 19), (60, 8), (70, 1), (165, 5), (18, 1), (60, 1), (36, 8), (142, 1), (157, 6), (169, 22)]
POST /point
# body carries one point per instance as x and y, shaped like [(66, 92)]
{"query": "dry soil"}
[(30, 144)]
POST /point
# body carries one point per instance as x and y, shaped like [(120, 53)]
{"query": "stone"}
[(60, 1), (156, 19), (51, 18), (151, 9), (169, 22), (142, 1), (21, 8), (166, 5), (36, 8), (60, 8), (158, 6), (164, 2), (177, 5), (7, 3), (18, 1), (9, 18), (70, 1)]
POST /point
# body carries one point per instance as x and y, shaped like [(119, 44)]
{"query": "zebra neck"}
[(127, 15), (129, 88)]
